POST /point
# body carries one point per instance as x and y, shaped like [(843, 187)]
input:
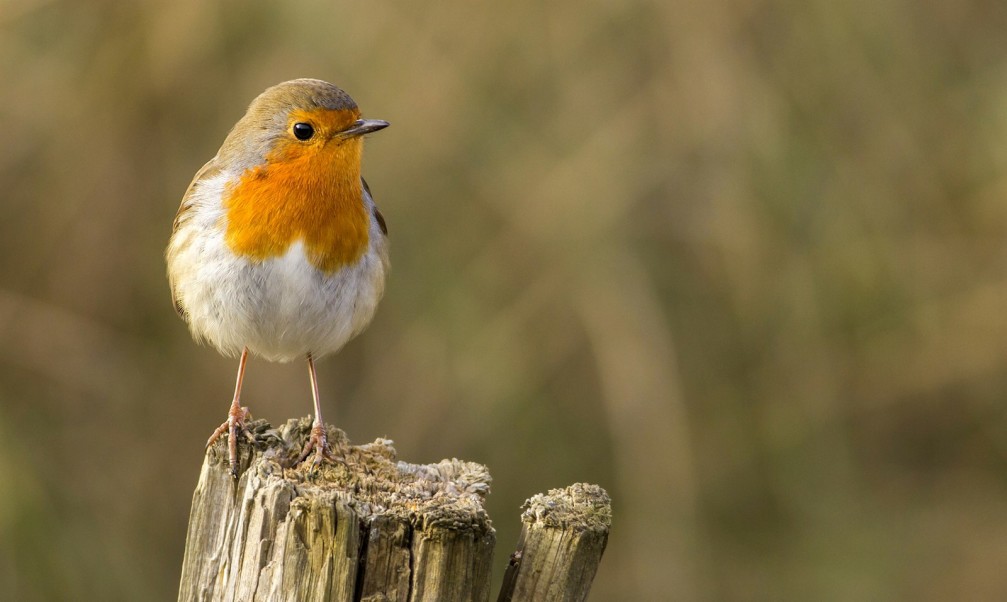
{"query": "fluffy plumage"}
[(277, 245)]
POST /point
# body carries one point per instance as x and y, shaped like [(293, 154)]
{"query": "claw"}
[(237, 419), (319, 443)]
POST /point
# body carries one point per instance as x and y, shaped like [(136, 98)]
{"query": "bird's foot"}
[(237, 420), (319, 444)]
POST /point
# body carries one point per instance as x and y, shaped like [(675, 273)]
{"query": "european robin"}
[(278, 248)]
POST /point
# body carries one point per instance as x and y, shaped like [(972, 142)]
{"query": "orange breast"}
[(310, 194)]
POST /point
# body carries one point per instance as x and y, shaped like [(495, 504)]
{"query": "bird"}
[(278, 249)]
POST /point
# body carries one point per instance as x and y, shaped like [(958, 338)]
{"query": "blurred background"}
[(742, 263)]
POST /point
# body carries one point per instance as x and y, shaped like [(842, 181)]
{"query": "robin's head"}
[(296, 119), (295, 158)]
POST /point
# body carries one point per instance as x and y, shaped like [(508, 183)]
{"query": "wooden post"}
[(366, 527), (563, 535)]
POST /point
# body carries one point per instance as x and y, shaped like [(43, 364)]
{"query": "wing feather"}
[(377, 214)]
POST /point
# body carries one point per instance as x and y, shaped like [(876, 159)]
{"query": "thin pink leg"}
[(236, 418), (318, 441)]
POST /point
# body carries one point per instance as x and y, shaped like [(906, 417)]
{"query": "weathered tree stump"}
[(563, 535), (365, 527)]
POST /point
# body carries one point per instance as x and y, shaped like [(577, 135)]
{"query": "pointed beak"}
[(363, 126)]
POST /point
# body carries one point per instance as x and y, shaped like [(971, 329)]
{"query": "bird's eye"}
[(303, 131)]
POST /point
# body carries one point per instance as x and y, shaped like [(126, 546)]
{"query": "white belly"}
[(281, 308)]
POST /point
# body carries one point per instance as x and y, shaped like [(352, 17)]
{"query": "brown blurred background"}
[(742, 263)]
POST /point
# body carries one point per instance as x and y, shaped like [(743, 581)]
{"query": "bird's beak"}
[(363, 126)]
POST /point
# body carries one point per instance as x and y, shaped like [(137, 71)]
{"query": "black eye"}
[(303, 131)]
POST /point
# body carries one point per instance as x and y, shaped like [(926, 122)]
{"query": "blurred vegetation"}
[(742, 263)]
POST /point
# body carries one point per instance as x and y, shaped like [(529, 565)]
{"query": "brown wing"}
[(210, 168), (377, 214)]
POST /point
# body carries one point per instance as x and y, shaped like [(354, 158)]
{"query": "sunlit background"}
[(742, 263)]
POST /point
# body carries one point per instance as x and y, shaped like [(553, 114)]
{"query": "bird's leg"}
[(236, 419), (318, 440)]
